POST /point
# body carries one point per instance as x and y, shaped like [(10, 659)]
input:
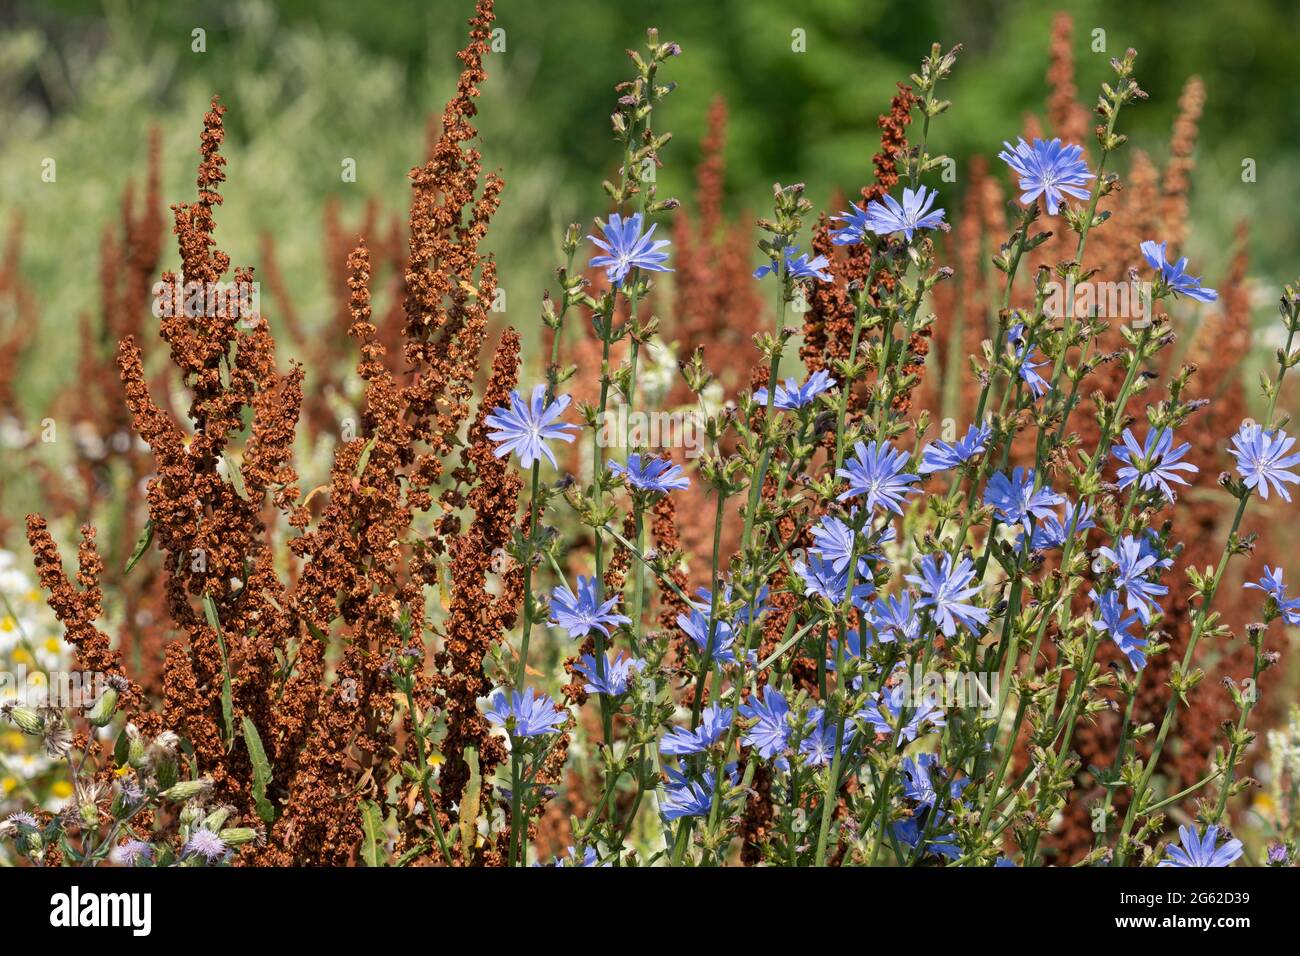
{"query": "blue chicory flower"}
[(651, 473), (1201, 850), (1262, 459), (1049, 169), (525, 429), (876, 471), (791, 395), (530, 713), (581, 613), (1174, 274), (614, 681), (1155, 463), (626, 248), (797, 266), (945, 588), (940, 456)]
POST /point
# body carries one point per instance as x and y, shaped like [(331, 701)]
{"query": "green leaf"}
[(261, 771), (365, 456), (227, 697), (372, 823), (121, 749), (412, 853), (236, 477), (141, 546)]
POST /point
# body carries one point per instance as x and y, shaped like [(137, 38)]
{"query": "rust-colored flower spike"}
[(1068, 117), (476, 618), (716, 302), (206, 507), (15, 334), (78, 607), (449, 283), (1178, 174), (828, 323), (353, 560)]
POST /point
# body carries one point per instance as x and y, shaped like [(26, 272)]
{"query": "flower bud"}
[(214, 820), (235, 836), (104, 708), (26, 719), (186, 789)]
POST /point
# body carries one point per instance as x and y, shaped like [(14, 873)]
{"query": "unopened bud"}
[(26, 719), (104, 708), (235, 836), (187, 789)]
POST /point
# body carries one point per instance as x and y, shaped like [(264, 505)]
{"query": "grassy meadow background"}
[(309, 84)]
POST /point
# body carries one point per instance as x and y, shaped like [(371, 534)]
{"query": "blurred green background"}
[(311, 83)]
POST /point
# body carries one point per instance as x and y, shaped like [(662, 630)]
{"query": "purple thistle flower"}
[(791, 395), (946, 588), (1272, 585), (617, 676), (1262, 459), (1155, 463), (876, 470), (205, 843), (1015, 500), (1132, 567), (887, 216), (1110, 620), (526, 715), (132, 853), (651, 473), (526, 428), (1174, 274), (771, 734), (940, 456), (1201, 851), (1048, 169), (581, 613), (627, 249), (796, 266), (681, 741)]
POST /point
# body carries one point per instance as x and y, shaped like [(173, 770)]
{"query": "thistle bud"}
[(26, 719), (236, 836), (104, 708), (187, 789), (214, 820)]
